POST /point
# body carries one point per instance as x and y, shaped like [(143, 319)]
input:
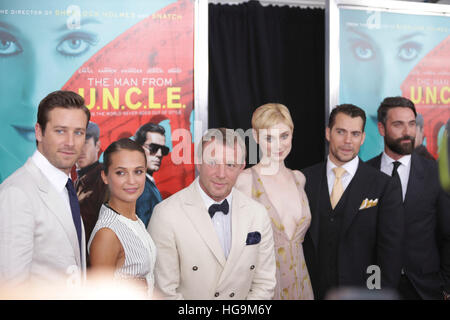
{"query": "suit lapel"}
[(240, 227), (316, 189), (198, 215), (56, 206), (416, 177), (376, 162), (356, 193)]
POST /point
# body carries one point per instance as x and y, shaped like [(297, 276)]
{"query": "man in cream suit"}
[(213, 241), (41, 231)]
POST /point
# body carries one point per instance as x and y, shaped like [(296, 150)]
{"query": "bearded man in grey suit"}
[(425, 255), (42, 238)]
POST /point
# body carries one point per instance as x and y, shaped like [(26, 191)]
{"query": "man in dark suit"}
[(90, 188), (357, 220), (151, 137), (426, 254)]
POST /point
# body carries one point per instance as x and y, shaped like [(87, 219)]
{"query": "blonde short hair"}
[(270, 114)]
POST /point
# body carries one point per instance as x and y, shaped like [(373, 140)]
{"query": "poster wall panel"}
[(392, 48), (131, 61)]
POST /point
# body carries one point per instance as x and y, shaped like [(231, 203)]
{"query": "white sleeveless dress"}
[(139, 248)]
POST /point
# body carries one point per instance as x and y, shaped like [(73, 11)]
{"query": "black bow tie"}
[(223, 207)]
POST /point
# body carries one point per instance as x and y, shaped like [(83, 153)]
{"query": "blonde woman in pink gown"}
[(281, 191)]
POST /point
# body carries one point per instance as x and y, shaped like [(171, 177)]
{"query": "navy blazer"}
[(369, 236), (149, 198), (426, 254)]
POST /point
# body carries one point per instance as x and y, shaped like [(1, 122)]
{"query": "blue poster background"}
[(42, 44), (378, 50)]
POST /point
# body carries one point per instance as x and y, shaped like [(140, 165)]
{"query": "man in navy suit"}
[(151, 137), (357, 218), (425, 270)]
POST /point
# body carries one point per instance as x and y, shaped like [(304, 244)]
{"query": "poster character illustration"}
[(394, 54), (133, 63)]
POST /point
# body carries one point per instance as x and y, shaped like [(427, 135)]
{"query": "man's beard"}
[(398, 147)]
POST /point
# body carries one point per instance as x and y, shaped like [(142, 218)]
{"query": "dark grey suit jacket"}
[(426, 253), (369, 236)]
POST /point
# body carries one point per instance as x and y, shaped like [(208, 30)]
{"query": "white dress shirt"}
[(57, 178), (221, 222), (149, 177), (387, 165), (350, 170)]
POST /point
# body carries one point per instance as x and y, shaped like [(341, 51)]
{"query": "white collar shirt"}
[(57, 178), (150, 177), (350, 171), (220, 221), (387, 165)]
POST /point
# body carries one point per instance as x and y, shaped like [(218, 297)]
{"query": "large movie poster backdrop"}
[(131, 60), (388, 54)]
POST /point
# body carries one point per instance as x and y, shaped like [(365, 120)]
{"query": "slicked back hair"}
[(393, 102), (116, 146), (348, 109), (60, 99), (141, 134)]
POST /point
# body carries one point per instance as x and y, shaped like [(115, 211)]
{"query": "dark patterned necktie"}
[(75, 208), (223, 207)]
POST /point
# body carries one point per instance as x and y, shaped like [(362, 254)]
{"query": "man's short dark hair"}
[(60, 99), (141, 134), (348, 109), (92, 131), (393, 102)]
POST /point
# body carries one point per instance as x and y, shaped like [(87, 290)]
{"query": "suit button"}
[(195, 268), (252, 267), (216, 294), (232, 295)]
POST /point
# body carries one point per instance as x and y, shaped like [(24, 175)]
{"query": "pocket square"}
[(368, 203), (253, 238)]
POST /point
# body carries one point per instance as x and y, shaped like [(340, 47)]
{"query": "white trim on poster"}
[(200, 69), (332, 63), (395, 6)]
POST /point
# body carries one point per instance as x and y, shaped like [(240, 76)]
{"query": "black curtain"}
[(263, 54)]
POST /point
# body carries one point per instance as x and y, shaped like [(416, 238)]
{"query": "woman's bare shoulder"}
[(244, 181), (299, 176)]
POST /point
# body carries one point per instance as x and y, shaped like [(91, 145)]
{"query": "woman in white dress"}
[(120, 244)]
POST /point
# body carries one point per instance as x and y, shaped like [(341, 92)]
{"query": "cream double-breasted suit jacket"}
[(190, 262)]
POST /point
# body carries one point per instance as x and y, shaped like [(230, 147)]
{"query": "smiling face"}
[(63, 138), (220, 167), (126, 176), (345, 138), (39, 54), (275, 142)]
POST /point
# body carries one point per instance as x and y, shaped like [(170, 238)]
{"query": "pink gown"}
[(293, 282)]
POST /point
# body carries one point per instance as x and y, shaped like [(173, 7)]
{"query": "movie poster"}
[(132, 61), (395, 54)]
